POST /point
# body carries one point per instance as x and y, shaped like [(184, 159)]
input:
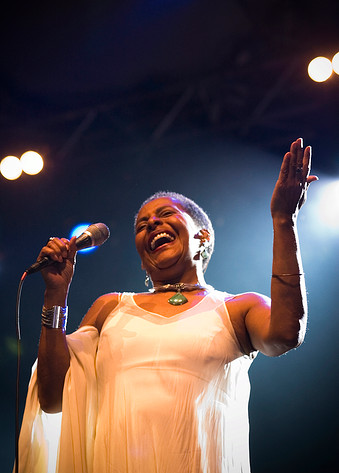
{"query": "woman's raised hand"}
[(291, 188), (58, 276)]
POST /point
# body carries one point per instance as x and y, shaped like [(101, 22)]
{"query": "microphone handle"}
[(38, 265)]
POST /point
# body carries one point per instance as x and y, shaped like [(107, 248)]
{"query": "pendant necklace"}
[(178, 298)]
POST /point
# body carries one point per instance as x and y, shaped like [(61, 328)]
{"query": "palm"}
[(291, 188)]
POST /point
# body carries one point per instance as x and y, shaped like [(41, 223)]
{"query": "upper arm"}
[(250, 316), (272, 334), (100, 309), (257, 322)]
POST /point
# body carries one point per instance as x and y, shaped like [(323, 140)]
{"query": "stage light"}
[(320, 69), (77, 231), (328, 206), (31, 162), (335, 63), (10, 168)]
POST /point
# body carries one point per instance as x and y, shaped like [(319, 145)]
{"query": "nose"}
[(153, 222)]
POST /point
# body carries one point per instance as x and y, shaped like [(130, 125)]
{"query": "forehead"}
[(159, 203)]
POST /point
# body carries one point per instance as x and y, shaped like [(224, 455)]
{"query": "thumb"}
[(312, 179), (72, 248)]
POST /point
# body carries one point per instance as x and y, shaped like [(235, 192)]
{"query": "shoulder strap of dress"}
[(126, 296), (221, 299), (221, 296)]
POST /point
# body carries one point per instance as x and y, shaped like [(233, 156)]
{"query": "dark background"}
[(201, 97)]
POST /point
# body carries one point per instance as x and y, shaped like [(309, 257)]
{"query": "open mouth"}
[(160, 239)]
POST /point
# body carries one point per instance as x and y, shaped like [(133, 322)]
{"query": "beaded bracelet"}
[(56, 317)]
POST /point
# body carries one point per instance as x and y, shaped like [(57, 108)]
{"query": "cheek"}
[(141, 256), (139, 245)]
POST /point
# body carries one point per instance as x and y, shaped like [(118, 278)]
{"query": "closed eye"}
[(140, 227), (160, 213), (167, 213)]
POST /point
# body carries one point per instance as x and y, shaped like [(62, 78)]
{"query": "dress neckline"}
[(171, 317)]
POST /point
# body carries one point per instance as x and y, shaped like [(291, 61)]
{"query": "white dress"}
[(150, 395)]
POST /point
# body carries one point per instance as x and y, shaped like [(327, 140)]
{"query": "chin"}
[(166, 265)]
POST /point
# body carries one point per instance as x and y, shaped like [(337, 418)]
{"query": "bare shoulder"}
[(246, 301), (241, 306), (100, 309)]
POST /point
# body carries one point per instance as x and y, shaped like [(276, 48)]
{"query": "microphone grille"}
[(99, 233)]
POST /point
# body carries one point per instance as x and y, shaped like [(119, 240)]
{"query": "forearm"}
[(53, 359), (288, 292)]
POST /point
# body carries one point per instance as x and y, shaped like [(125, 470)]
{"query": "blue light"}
[(77, 231), (329, 205)]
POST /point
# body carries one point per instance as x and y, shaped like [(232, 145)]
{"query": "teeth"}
[(160, 235)]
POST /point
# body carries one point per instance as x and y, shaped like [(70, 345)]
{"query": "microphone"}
[(95, 235)]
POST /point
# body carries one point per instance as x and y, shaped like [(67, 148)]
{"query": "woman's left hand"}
[(291, 188)]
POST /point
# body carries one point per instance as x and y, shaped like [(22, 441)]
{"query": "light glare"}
[(329, 205), (10, 168), (77, 231), (335, 63), (31, 162), (320, 69)]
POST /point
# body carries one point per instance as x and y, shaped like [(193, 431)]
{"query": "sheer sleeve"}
[(64, 441)]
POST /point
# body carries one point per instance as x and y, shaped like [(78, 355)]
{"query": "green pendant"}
[(177, 299)]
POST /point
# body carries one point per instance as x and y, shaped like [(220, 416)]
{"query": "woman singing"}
[(157, 382)]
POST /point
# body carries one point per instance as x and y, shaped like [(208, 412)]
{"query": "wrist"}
[(55, 298), (284, 220)]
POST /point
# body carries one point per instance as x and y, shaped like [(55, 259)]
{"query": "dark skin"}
[(272, 326)]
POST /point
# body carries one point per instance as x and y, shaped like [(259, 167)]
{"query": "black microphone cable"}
[(17, 390)]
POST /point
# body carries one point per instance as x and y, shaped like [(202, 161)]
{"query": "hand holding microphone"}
[(95, 235), (57, 261)]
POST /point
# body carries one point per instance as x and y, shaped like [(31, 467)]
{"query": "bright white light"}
[(335, 63), (320, 69), (31, 162), (10, 168), (329, 205), (77, 231)]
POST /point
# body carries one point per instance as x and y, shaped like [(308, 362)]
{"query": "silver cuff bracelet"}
[(56, 317)]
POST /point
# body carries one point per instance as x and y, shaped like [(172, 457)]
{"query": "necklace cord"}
[(179, 298), (177, 287)]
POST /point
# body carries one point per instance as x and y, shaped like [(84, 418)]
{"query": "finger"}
[(285, 166), (307, 162), (56, 249), (51, 252), (296, 165), (299, 144), (293, 160), (293, 151), (71, 246), (60, 245)]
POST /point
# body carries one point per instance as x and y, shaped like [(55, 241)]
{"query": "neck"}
[(188, 277)]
